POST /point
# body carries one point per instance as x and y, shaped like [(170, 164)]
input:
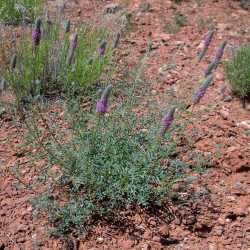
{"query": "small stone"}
[(244, 124), (152, 222), (224, 114), (156, 239), (218, 231), (145, 247), (100, 240), (212, 247), (164, 230), (112, 8), (190, 179), (228, 98), (144, 7)]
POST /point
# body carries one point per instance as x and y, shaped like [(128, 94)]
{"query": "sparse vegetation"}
[(238, 74), (46, 64), (16, 11)]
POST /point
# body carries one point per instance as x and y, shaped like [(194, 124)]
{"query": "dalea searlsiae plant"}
[(202, 90), (102, 104), (238, 73), (167, 121), (37, 33), (215, 63), (205, 44), (54, 63)]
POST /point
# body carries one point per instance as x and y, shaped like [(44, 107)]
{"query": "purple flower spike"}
[(206, 42), (102, 48), (36, 33), (220, 51), (167, 120), (73, 44), (102, 104), (202, 90)]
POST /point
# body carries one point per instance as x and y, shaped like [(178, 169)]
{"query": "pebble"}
[(244, 124), (224, 114), (100, 240), (212, 247), (228, 98)]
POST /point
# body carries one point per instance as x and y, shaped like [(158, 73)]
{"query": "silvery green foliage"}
[(238, 73)]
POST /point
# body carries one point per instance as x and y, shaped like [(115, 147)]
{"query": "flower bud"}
[(166, 121), (206, 42), (36, 33), (102, 48), (102, 104)]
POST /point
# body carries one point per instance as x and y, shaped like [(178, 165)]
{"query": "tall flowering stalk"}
[(36, 33), (72, 49), (102, 48), (202, 90), (206, 42), (116, 39), (220, 53), (167, 121), (102, 104), (218, 56), (13, 62)]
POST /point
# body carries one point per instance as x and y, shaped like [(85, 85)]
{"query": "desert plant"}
[(238, 74), (52, 62), (15, 11), (107, 165)]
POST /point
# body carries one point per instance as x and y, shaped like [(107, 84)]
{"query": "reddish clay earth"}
[(212, 209)]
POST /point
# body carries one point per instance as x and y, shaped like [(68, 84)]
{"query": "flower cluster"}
[(102, 48), (167, 121), (206, 42), (202, 90), (36, 33), (102, 104), (214, 64)]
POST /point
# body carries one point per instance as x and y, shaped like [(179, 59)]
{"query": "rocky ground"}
[(211, 210)]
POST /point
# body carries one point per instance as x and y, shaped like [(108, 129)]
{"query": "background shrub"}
[(15, 11), (43, 70), (238, 73)]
